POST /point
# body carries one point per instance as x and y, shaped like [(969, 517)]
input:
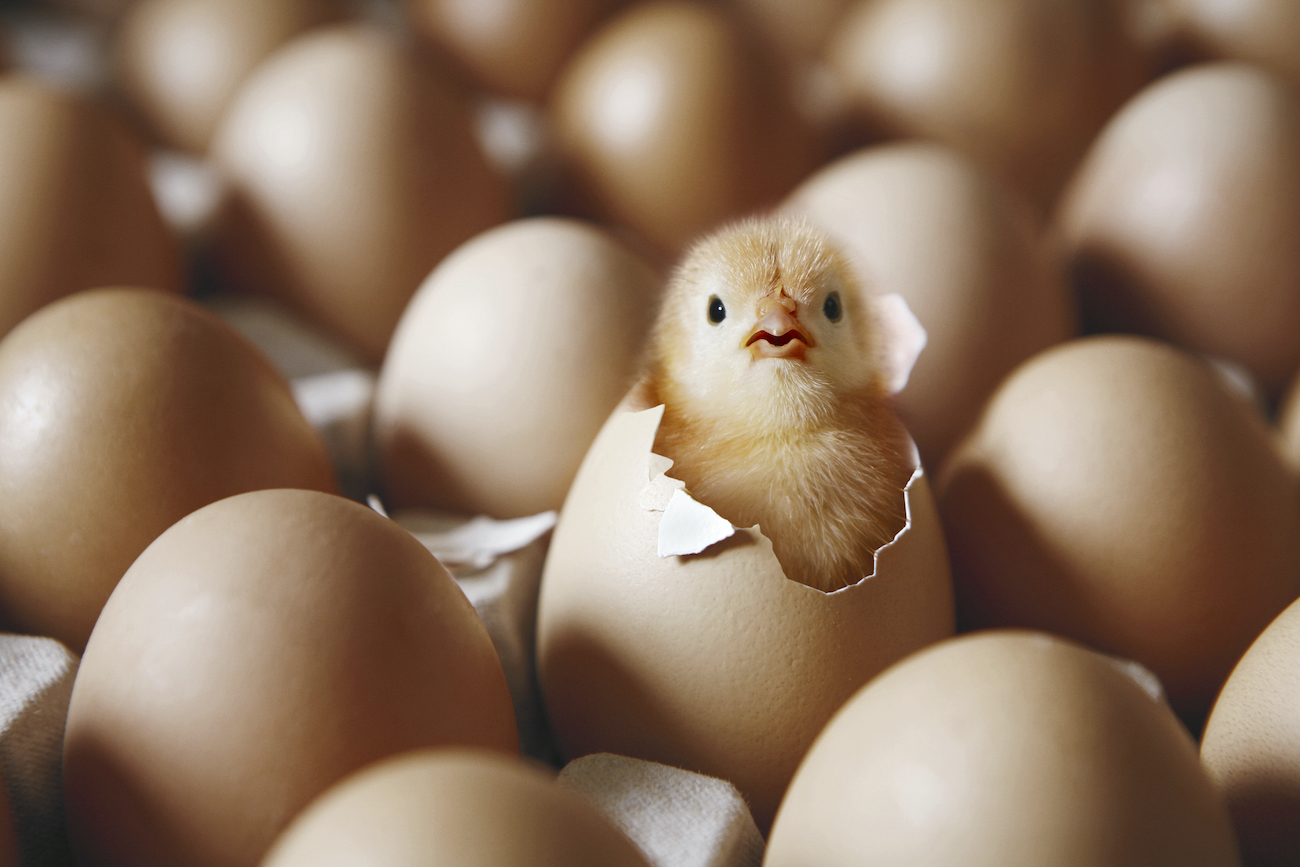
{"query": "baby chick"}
[(775, 410)]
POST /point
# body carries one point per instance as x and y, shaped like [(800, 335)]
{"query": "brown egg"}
[(1251, 746), (1002, 748), (122, 411), (181, 61), (677, 122), (1021, 85), (799, 28), (514, 47), (257, 652), (968, 256), (75, 207), (505, 365), (355, 172), (1116, 492), (1184, 221), (464, 807), (1289, 425), (1264, 31)]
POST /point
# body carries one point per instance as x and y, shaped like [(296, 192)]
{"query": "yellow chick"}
[(775, 410)]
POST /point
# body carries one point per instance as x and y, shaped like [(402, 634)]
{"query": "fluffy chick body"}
[(790, 430)]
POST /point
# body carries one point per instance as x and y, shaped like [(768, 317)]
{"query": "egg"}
[(676, 122), (505, 365), (799, 28), (714, 662), (1116, 492), (1264, 31), (181, 61), (465, 807), (1184, 220), (1289, 426), (260, 650), (966, 253), (1251, 746), (1002, 748), (1020, 85), (76, 211), (354, 171), (121, 411)]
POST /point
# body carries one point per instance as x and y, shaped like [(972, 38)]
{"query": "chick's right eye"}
[(717, 312)]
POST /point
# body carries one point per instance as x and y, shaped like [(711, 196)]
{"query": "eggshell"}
[(1021, 85), (1116, 492), (505, 365), (1184, 220), (75, 207), (514, 47), (355, 171), (1251, 746), (677, 122), (716, 662), (799, 28), (966, 253), (1264, 31), (122, 411), (1002, 749), (1289, 426), (256, 653), (181, 61), (453, 806)]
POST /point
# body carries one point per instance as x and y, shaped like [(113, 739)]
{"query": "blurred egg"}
[(1251, 746), (1289, 425), (257, 652), (122, 411), (1184, 220), (1020, 85), (677, 122), (798, 28), (1115, 492), (454, 806), (505, 365), (514, 47), (1002, 748), (1264, 31), (355, 171), (76, 211), (968, 256), (181, 61), (713, 662)]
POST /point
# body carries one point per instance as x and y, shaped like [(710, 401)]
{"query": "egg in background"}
[(1266, 32)]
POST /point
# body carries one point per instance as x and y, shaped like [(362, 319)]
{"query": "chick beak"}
[(777, 333)]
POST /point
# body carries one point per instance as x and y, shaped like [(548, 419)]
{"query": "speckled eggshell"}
[(259, 651), (969, 257), (714, 662), (461, 807), (1003, 749), (76, 210)]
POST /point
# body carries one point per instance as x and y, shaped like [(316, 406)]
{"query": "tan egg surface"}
[(965, 252), (455, 806), (1289, 426), (1251, 745), (1184, 220), (260, 650), (505, 365), (1264, 31), (1002, 749), (1116, 492), (355, 172), (713, 662), (122, 411), (76, 211)]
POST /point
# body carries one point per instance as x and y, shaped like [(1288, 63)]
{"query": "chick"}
[(775, 408)]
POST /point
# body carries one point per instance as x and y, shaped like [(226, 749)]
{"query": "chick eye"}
[(831, 307), (717, 312)]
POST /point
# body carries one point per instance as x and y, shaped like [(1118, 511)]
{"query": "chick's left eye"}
[(717, 312), (832, 308)]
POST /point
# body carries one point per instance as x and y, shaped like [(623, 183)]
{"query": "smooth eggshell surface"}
[(456, 807), (714, 662), (1264, 31), (76, 210), (505, 365), (1251, 745), (355, 171), (1116, 492), (260, 650), (1003, 749), (122, 411)]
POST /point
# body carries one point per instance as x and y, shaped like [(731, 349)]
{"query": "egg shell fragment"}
[(256, 653), (716, 663)]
